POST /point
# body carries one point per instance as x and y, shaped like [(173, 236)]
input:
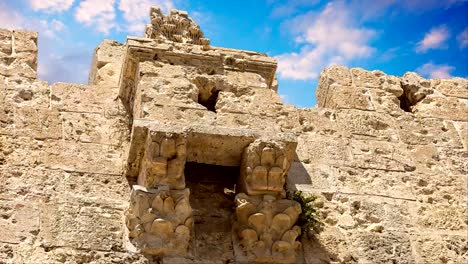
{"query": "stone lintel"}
[(208, 144)]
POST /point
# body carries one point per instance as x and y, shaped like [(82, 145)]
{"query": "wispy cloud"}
[(97, 13), (462, 38), (434, 39), (136, 12), (439, 71), (286, 8), (51, 6), (367, 9), (329, 37)]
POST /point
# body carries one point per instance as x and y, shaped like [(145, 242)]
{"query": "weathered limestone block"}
[(329, 246), (380, 155), (7, 119), (34, 94), (160, 221), (25, 41), (19, 221), (448, 108), (74, 223), (81, 157), (311, 178), (95, 128), (348, 97), (367, 125), (415, 88), (48, 184), (435, 248), (255, 101), (106, 64), (371, 182), (244, 121), (246, 79), (18, 54), (437, 217), (21, 151), (375, 213), (5, 42), (462, 129), (387, 102), (364, 78), (414, 130), (84, 98), (264, 167), (320, 121), (38, 123), (154, 92), (440, 188), (323, 149), (163, 161), (456, 87), (182, 115), (266, 229), (387, 247), (455, 161)]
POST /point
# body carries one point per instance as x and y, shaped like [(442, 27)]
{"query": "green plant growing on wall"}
[(309, 219)]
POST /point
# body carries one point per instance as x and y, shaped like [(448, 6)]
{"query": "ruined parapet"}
[(160, 221), (18, 53), (176, 27)]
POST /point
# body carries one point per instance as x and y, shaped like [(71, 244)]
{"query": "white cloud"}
[(12, 19), (99, 14), (51, 6), (136, 12), (330, 37), (438, 71), (434, 39), (462, 38)]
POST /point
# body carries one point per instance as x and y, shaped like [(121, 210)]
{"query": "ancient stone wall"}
[(387, 155)]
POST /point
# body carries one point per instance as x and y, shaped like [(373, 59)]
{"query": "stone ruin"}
[(182, 152)]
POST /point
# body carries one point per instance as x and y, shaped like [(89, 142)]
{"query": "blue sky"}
[(426, 36)]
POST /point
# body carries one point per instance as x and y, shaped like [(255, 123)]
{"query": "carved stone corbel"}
[(263, 168), (160, 221), (266, 229), (163, 161)]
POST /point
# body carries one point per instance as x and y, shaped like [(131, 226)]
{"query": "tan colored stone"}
[(414, 130), (5, 41), (456, 87), (380, 155), (429, 217), (462, 129), (440, 248), (348, 97), (367, 125), (448, 108), (363, 78)]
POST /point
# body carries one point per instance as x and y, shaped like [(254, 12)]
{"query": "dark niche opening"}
[(212, 200), (209, 102), (405, 103)]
